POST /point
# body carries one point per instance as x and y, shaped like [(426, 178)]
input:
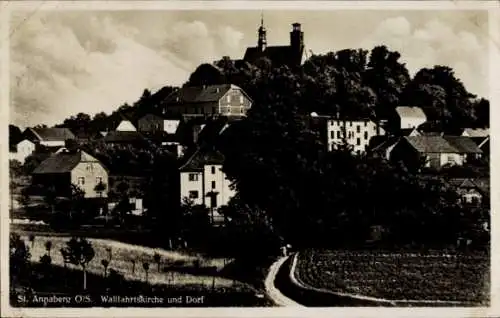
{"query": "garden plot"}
[(424, 277)]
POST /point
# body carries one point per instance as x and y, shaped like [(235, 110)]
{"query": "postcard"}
[(277, 159)]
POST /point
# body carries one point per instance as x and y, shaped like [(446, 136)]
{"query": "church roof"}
[(279, 55)]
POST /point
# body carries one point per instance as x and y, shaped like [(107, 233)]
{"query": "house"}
[(22, 150), (49, 137), (465, 146), (203, 181), (437, 151), (291, 55), (208, 100), (124, 137), (152, 122), (356, 132), (470, 193), (409, 117), (475, 132), (66, 168)]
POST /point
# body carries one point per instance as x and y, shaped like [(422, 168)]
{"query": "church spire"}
[(262, 34)]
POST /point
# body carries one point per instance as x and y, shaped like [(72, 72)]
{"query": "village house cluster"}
[(201, 177)]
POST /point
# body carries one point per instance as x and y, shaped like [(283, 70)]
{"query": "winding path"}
[(271, 290)]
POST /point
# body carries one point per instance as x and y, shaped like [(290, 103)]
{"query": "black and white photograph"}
[(265, 157)]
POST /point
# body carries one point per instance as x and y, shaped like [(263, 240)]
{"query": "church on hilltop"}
[(290, 55)]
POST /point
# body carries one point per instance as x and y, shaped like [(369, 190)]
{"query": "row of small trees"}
[(78, 251)]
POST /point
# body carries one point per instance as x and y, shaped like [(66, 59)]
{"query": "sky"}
[(65, 62)]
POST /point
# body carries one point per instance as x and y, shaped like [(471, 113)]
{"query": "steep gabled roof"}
[(52, 134), (462, 183), (410, 112), (201, 158), (199, 94), (463, 144), (63, 161)]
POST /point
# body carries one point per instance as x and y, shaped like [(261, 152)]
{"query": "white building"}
[(357, 133), (203, 182), (22, 150), (410, 117)]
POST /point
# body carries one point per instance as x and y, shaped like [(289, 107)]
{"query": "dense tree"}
[(79, 251)]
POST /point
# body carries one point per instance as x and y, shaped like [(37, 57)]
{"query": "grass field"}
[(123, 253), (433, 276)]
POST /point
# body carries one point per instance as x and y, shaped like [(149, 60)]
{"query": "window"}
[(214, 110), (358, 141), (193, 194), (358, 128), (366, 135), (213, 169), (350, 123), (98, 180), (213, 184), (332, 147), (366, 123), (81, 181), (241, 99), (332, 134), (338, 134), (89, 167), (193, 177)]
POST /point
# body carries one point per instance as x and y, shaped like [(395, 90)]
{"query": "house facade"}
[(437, 151), (125, 125), (203, 181), (357, 133), (66, 168), (410, 117), (208, 100), (22, 150)]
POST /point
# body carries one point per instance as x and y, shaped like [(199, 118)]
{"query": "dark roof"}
[(407, 131), (279, 55), (479, 141), (62, 162), (52, 134), (430, 144), (201, 158), (160, 136), (199, 94), (123, 136), (463, 144)]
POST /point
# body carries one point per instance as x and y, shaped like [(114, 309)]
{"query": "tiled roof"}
[(410, 111), (430, 144), (199, 94), (63, 161), (463, 144), (279, 55), (201, 158), (439, 144), (52, 134)]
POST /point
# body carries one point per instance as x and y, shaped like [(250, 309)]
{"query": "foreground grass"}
[(432, 276), (175, 268)]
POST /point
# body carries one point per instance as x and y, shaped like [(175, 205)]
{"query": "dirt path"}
[(271, 290)]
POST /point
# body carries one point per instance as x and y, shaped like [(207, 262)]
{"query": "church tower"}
[(262, 43), (297, 43)]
